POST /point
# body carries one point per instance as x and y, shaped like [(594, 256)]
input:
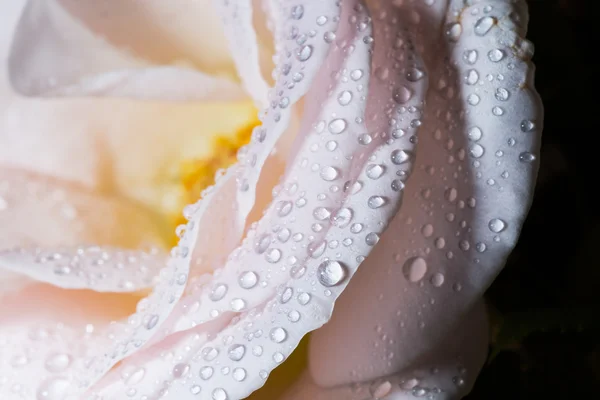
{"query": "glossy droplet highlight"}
[(337, 126)]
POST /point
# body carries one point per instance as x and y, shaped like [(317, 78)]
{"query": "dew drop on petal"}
[(497, 225), (248, 279), (278, 335), (337, 126), (414, 269), (331, 273)]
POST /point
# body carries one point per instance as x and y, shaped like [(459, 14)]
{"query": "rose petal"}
[(286, 275), (466, 201), (64, 47), (449, 373), (237, 16), (102, 269), (46, 336)]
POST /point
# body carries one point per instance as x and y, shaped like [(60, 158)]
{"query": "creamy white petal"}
[(465, 202)]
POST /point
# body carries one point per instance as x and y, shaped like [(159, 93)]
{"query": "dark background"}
[(546, 302)]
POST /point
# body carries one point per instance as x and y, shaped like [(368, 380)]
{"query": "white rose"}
[(399, 136)]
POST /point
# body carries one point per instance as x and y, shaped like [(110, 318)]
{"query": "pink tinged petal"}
[(449, 373), (466, 201), (46, 337), (102, 269), (37, 210), (239, 30), (58, 50), (324, 220), (63, 217)]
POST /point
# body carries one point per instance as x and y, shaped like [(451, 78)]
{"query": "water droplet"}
[(342, 217), (497, 225), (414, 74), (304, 298), (329, 173), (476, 150), (473, 99), (237, 304), (248, 279), (304, 52), (219, 394), (371, 239), (53, 389), (294, 316), (236, 352), (374, 171), (496, 55), (206, 373), (345, 97), (527, 125), (278, 335), (502, 94), (470, 56), (414, 269), (337, 126), (262, 243), (273, 255), (218, 292), (152, 321), (498, 111), (475, 133), (526, 157), (284, 208), (331, 273), (195, 389), (427, 230), (483, 25), (453, 31), (59, 362), (321, 213), (356, 74), (400, 157), (297, 11), (437, 279), (376, 202), (471, 77), (180, 370), (401, 94), (239, 374), (397, 185)]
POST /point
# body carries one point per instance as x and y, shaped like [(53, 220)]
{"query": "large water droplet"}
[(273, 255), (374, 171), (483, 25), (219, 394), (53, 389), (304, 52), (400, 157), (59, 362), (278, 335), (414, 269), (337, 126), (218, 292), (475, 133), (329, 173), (376, 202), (527, 125), (526, 157), (476, 150), (496, 55), (345, 97), (342, 217), (497, 225), (401, 94), (331, 273), (248, 279), (236, 352)]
